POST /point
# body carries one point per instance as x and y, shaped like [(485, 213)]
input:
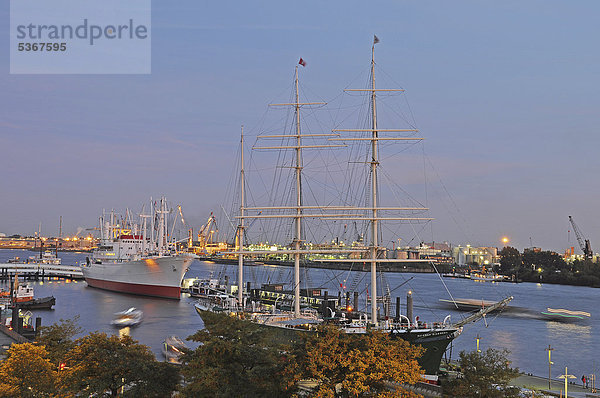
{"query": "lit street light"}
[(566, 376), (505, 240), (549, 349)]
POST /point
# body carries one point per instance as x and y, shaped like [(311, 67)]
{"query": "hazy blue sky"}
[(506, 93)]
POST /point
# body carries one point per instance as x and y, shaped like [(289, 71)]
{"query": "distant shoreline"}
[(37, 250)]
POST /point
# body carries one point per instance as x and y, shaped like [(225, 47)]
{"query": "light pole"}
[(549, 349), (275, 304), (477, 340), (566, 376)]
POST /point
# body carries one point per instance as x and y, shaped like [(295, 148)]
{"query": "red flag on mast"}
[(302, 62)]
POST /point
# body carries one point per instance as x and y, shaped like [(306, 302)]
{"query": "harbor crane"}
[(584, 244), (205, 234)]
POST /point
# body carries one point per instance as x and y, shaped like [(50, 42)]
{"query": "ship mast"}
[(298, 204), (299, 211), (298, 208), (374, 163), (374, 223), (241, 226)]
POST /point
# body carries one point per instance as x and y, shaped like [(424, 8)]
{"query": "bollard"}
[(38, 325)]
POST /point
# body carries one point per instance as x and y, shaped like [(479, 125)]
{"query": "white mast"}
[(241, 227), (298, 205), (297, 216), (161, 230), (144, 218), (152, 217), (374, 223), (374, 163), (162, 226)]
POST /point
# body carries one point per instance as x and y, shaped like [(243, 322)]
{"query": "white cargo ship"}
[(131, 259)]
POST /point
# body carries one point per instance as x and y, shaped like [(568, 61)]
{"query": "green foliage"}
[(237, 358), (548, 267), (101, 364), (484, 374), (58, 338), (96, 364), (27, 372), (358, 365), (157, 379), (510, 261)]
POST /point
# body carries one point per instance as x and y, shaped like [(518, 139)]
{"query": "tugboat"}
[(23, 297)]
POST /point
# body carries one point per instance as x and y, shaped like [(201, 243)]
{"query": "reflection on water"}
[(561, 330), (506, 338)]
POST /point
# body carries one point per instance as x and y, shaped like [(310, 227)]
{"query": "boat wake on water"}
[(549, 314)]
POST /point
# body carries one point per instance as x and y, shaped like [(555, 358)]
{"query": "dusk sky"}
[(505, 93)]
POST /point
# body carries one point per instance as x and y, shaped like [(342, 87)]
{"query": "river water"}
[(525, 334)]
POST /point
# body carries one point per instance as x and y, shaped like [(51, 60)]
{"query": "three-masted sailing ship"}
[(434, 337)]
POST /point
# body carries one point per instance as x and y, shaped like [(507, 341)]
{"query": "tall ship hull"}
[(158, 277), (435, 341)]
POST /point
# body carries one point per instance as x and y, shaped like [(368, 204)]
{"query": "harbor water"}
[(521, 330)]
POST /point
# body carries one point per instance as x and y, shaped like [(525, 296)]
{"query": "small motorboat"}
[(129, 317), (173, 348), (564, 315)]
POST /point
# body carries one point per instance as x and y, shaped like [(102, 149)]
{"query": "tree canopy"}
[(58, 338), (484, 374), (349, 365), (240, 358), (27, 372), (99, 363), (236, 358), (548, 267)]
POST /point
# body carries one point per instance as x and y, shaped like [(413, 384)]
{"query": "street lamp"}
[(566, 376), (275, 304), (549, 349), (505, 240), (477, 340)]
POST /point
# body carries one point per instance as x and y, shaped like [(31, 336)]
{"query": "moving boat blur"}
[(173, 348), (129, 317)]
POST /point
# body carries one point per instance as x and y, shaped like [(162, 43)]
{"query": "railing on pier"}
[(40, 271)]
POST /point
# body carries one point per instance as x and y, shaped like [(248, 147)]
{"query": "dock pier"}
[(39, 271)]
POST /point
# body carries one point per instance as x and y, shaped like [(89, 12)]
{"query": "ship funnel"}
[(409, 306)]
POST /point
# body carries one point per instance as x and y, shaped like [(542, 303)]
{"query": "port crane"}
[(584, 244), (205, 234)]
